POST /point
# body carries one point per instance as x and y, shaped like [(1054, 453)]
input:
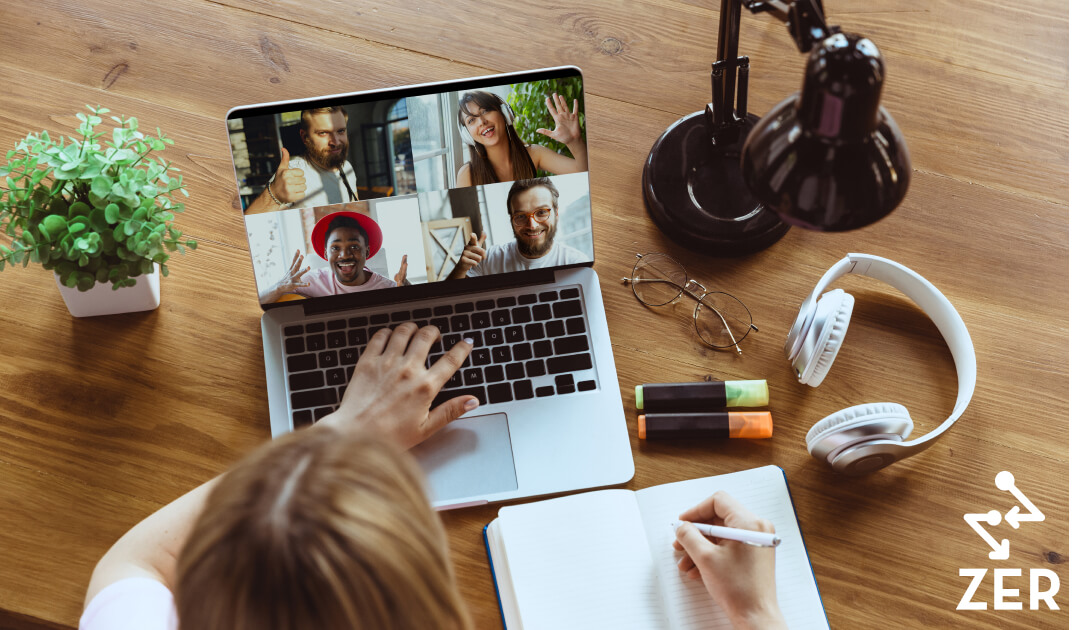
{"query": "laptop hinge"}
[(427, 291)]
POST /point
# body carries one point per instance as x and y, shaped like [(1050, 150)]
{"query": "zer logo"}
[(1000, 551)]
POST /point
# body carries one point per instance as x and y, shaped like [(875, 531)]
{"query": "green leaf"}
[(112, 213), (98, 220), (129, 228), (71, 280), (76, 227), (192, 244), (54, 225), (101, 186)]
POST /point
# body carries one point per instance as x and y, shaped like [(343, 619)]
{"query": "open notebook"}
[(604, 559)]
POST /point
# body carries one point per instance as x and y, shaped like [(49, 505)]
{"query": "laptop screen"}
[(424, 184)]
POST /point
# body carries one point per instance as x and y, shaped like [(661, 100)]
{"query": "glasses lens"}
[(658, 279), (721, 320)]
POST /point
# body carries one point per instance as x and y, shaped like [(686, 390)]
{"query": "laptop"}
[(369, 209)]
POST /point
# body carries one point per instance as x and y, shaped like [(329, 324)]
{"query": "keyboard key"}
[(322, 412), (555, 328), (541, 312), (569, 345), (549, 296), (315, 327), (499, 393), (301, 419), (446, 395), (341, 392), (294, 345), (515, 371), (500, 317), (442, 324), (349, 372), (314, 398), (501, 354), (542, 349), (521, 315), (445, 309), (481, 356), (485, 305), (358, 337), (528, 298), (459, 323), (421, 313), (515, 334), (335, 376), (420, 323), (523, 390), (522, 352), (493, 373), (436, 347), (493, 337), (547, 390), (381, 318), (451, 339), (534, 332), (569, 308), (292, 331), (349, 356), (337, 324), (464, 307), (358, 321), (506, 301), (534, 368), (306, 380), (575, 326), (474, 376), (457, 380), (328, 359), (563, 380), (480, 320), (569, 363), (400, 316), (316, 343), (586, 386), (569, 293), (335, 339), (302, 363)]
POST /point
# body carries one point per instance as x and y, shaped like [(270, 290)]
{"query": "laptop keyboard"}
[(525, 346)]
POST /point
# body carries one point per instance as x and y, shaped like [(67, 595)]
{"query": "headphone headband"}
[(928, 298)]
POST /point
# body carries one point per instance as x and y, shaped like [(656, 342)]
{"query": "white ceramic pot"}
[(102, 300)]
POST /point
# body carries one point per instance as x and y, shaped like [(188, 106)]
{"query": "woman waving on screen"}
[(497, 153)]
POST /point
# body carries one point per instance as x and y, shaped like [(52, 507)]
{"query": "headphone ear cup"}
[(836, 329), (858, 423), (466, 137), (508, 113)]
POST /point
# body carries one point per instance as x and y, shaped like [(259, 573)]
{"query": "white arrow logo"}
[(1007, 483)]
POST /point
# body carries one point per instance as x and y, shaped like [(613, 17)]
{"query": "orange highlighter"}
[(719, 424)]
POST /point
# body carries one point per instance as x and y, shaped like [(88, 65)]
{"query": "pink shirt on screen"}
[(323, 282), (136, 603)]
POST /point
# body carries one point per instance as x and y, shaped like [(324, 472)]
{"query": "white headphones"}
[(869, 437), (507, 112)]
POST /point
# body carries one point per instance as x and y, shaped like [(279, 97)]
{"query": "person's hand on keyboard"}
[(391, 389)]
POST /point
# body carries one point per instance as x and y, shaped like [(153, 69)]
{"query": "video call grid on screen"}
[(392, 162)]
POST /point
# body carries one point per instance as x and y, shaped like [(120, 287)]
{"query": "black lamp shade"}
[(829, 158)]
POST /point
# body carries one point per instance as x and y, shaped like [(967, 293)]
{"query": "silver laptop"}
[(370, 209)]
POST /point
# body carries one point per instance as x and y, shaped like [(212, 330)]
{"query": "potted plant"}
[(96, 211)]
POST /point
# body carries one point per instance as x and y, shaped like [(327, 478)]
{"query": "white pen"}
[(750, 537)]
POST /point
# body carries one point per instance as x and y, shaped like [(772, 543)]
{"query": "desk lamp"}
[(727, 183)]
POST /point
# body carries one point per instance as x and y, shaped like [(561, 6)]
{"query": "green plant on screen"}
[(527, 99), (91, 209)]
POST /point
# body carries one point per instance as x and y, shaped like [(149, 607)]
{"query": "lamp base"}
[(696, 195)]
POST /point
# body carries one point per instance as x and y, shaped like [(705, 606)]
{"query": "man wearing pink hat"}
[(346, 240)]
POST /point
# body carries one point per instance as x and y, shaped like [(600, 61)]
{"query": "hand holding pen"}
[(740, 577)]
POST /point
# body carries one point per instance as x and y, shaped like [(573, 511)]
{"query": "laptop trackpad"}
[(469, 457)]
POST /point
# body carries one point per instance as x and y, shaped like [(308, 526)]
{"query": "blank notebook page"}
[(582, 561), (764, 492)]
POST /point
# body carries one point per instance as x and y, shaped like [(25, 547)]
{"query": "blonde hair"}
[(319, 529)]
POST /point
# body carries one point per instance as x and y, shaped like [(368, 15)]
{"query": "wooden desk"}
[(103, 421)]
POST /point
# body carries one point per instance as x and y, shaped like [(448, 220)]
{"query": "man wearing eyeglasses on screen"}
[(533, 205)]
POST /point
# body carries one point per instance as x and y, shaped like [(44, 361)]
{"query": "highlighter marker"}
[(720, 424), (670, 397)]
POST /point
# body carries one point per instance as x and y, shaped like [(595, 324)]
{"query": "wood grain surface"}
[(102, 421)]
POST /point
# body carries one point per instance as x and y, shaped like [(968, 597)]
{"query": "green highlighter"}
[(701, 396)]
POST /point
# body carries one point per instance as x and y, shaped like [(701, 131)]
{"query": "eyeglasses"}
[(721, 319), (521, 219)]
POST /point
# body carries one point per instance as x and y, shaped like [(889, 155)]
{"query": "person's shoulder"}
[(464, 175), (571, 254)]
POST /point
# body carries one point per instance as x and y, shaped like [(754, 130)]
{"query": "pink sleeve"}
[(131, 604)]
